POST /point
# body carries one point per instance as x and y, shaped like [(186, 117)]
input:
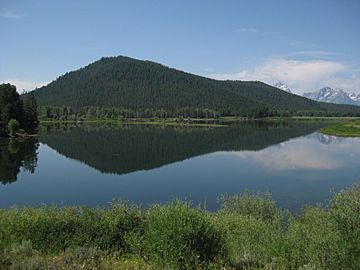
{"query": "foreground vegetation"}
[(345, 129), (248, 232)]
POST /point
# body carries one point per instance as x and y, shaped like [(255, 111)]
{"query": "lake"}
[(92, 164)]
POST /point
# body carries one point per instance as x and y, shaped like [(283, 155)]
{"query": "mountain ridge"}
[(125, 82), (334, 95)]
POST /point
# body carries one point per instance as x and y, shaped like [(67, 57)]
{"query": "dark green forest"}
[(122, 87), (17, 116), (147, 147)]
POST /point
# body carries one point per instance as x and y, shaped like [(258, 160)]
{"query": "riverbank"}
[(199, 122), (248, 232), (344, 129), (333, 118), (147, 121)]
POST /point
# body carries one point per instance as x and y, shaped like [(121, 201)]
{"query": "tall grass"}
[(180, 237), (52, 230), (248, 232)]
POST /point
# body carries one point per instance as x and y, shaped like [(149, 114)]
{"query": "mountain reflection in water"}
[(125, 149), (93, 164)]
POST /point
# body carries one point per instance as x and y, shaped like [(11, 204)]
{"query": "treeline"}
[(148, 89), (67, 113), (17, 116), (90, 112)]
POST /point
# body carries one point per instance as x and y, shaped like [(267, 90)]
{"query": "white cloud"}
[(300, 75), (313, 152), (24, 85)]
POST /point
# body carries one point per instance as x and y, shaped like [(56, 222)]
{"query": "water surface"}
[(94, 164)]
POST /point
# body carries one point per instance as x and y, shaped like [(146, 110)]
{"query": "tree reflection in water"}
[(16, 154)]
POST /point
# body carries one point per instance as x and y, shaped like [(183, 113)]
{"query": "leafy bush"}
[(51, 229), (255, 204), (181, 237), (22, 257), (247, 233), (79, 258), (312, 240), (250, 241), (345, 212)]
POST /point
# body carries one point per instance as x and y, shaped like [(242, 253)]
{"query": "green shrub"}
[(247, 233), (255, 204), (345, 212), (251, 242), (52, 229), (181, 237), (5, 260), (22, 257), (312, 240), (5, 238), (79, 258)]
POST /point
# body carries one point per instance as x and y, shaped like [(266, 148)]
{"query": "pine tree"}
[(12, 107), (30, 113)]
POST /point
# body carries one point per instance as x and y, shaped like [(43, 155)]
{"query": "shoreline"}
[(345, 129)]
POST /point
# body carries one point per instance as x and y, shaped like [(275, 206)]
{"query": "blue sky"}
[(307, 44)]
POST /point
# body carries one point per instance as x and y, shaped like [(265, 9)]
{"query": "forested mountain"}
[(123, 82)]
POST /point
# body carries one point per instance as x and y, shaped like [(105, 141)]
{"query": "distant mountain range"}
[(337, 95), (326, 94), (123, 82)]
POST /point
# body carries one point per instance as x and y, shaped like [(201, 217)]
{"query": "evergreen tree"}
[(12, 107), (31, 122)]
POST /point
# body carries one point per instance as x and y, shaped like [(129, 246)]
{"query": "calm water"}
[(91, 164)]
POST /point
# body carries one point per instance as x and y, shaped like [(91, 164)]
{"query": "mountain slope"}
[(129, 83), (330, 95)]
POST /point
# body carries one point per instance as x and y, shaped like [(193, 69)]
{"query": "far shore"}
[(343, 129), (201, 122)]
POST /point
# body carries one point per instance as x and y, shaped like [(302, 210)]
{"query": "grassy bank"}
[(332, 118), (248, 232), (221, 121), (345, 129)]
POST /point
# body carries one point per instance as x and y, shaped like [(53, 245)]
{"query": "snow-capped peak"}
[(283, 87), (355, 97), (337, 95)]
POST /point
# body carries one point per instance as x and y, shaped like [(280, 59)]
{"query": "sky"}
[(306, 44)]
